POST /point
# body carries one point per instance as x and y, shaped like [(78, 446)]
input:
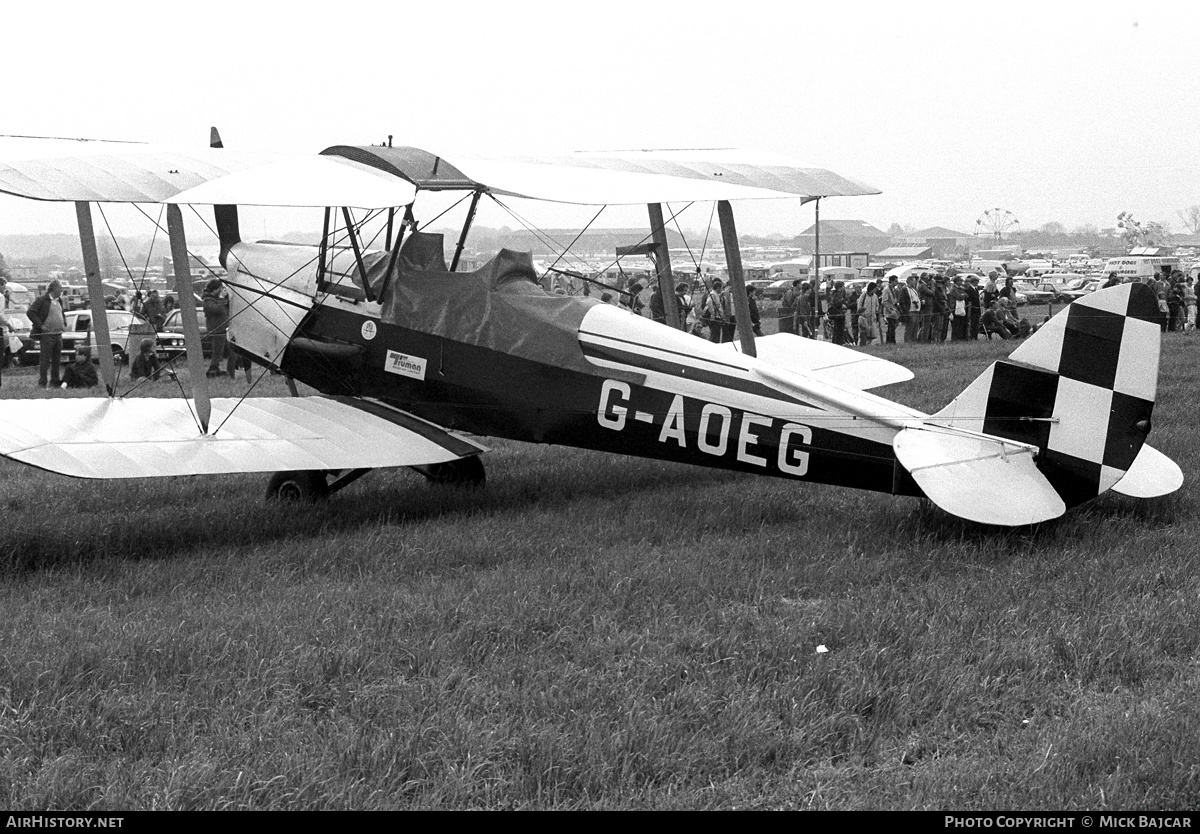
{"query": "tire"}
[(464, 472), (119, 356), (306, 485)]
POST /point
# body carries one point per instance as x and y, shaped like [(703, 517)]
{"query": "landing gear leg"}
[(464, 472)]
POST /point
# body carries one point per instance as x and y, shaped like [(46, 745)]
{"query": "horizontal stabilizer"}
[(978, 478), (1152, 474), (839, 366), (153, 437)]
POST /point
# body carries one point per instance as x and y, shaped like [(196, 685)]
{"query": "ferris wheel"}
[(996, 223)]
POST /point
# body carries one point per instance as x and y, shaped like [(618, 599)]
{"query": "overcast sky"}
[(1055, 111)]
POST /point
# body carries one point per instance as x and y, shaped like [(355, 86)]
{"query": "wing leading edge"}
[(77, 171), (151, 437)]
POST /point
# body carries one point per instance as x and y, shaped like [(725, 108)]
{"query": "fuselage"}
[(597, 377)]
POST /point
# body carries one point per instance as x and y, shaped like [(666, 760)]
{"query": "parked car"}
[(774, 290), (173, 325), (1037, 292), (125, 331), (1063, 282), (1078, 289)]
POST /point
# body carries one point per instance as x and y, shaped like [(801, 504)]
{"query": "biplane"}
[(415, 359)]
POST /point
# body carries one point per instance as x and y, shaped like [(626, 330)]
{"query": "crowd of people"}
[(926, 307), (47, 318)]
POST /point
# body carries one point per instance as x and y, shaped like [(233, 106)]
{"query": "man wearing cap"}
[(974, 307)]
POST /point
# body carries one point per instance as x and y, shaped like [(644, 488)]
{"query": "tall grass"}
[(597, 631)]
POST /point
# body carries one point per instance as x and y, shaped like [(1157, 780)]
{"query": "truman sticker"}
[(405, 365), (368, 330)]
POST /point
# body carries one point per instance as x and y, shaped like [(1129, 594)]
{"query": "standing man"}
[(804, 311), (891, 308), (683, 303), (837, 313), (755, 320), (714, 311), (152, 309), (911, 309), (925, 291), (216, 319), (974, 307), (1189, 303), (787, 308), (956, 300), (941, 310), (658, 310), (48, 318)]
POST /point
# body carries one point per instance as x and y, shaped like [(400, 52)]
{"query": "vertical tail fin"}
[(1081, 389), (226, 216)]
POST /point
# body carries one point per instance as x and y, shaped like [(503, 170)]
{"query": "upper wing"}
[(106, 172), (611, 178), (150, 437)]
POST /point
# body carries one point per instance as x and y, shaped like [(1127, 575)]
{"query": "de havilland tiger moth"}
[(413, 358)]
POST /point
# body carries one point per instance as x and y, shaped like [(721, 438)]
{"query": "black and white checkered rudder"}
[(1081, 389)]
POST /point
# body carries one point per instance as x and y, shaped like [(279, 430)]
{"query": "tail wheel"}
[(464, 472), (304, 485)]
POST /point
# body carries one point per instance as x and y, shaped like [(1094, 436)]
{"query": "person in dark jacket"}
[(658, 309), (81, 373), (755, 320), (152, 309), (837, 313), (216, 318), (974, 308), (683, 303), (941, 310), (146, 364)]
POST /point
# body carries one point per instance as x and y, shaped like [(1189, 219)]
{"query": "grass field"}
[(600, 632)]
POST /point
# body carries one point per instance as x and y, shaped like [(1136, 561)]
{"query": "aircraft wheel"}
[(464, 472), (303, 485)]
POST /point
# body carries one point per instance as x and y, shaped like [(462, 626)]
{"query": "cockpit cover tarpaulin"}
[(500, 306)]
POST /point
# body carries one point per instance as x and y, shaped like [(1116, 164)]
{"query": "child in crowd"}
[(146, 365), (80, 373)]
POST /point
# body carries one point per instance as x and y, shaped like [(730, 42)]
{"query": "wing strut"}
[(462, 238), (362, 270), (101, 342), (662, 265), (733, 259), (187, 314)]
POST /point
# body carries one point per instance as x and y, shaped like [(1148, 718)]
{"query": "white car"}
[(125, 331)]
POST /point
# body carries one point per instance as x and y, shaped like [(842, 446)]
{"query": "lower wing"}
[(151, 437)]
